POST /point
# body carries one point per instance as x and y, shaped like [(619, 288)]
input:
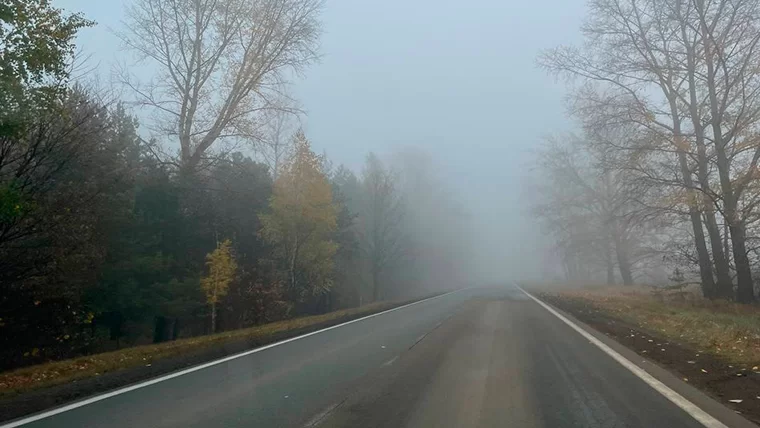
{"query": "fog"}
[(456, 80)]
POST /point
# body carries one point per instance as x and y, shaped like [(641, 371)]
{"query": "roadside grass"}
[(60, 372), (725, 329)]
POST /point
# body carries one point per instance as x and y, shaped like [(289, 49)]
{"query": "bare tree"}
[(594, 210), (630, 50), (380, 234), (728, 34), (220, 63), (277, 139)]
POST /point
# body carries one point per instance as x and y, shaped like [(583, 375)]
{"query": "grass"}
[(65, 371), (725, 329)]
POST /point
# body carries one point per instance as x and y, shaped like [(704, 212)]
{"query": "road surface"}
[(473, 358)]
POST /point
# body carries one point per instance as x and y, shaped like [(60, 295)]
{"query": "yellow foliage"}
[(302, 220), (221, 272)]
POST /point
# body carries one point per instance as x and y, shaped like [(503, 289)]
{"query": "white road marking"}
[(687, 406), (318, 418), (389, 362), (124, 390)]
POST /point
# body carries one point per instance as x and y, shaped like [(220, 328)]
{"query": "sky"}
[(455, 78)]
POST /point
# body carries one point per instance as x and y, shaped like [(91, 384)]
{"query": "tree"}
[(277, 140), (220, 63), (301, 223), (597, 212), (729, 39), (37, 45), (381, 235), (435, 225), (347, 290), (629, 52), (221, 272)]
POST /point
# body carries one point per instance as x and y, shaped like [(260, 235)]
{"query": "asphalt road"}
[(474, 358)]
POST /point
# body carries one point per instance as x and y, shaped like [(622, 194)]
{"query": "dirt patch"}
[(723, 380)]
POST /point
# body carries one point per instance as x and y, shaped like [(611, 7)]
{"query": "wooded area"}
[(662, 179), (214, 214)]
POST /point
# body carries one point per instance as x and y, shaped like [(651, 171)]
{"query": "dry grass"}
[(60, 372), (726, 329)]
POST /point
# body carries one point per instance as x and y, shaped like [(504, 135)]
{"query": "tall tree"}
[(629, 53), (380, 229), (348, 262), (277, 141), (729, 37), (219, 63), (301, 223), (596, 209)]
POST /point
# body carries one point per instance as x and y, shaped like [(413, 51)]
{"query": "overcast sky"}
[(457, 78)]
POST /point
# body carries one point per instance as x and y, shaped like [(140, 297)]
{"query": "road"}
[(473, 358)]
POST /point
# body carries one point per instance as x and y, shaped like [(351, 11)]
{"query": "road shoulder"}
[(710, 405)]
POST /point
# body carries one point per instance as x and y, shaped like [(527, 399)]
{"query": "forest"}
[(659, 184), (210, 212)]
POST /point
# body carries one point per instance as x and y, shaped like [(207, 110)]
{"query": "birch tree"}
[(302, 222), (221, 272)]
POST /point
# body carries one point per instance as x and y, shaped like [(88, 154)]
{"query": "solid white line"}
[(124, 390), (687, 406)]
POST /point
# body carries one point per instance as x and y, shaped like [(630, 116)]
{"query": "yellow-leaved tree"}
[(221, 272), (302, 221)]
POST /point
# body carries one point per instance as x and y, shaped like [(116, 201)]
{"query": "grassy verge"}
[(727, 330), (61, 372)]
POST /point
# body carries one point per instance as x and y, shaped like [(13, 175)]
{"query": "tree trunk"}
[(745, 292), (608, 244), (610, 270), (726, 248), (624, 263), (292, 265), (724, 287), (213, 318), (375, 285), (703, 256)]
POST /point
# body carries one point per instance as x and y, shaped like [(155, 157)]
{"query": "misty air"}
[(334, 213)]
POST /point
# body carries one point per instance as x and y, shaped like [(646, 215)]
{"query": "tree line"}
[(663, 174), (215, 213)]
